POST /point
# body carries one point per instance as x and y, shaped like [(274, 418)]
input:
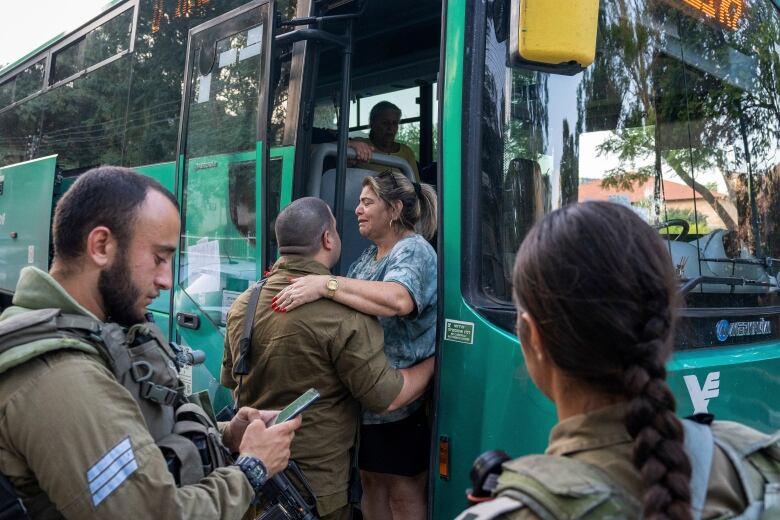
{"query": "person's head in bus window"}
[(596, 296), (383, 121)]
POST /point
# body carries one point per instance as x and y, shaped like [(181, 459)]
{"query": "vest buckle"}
[(158, 393), (141, 371)]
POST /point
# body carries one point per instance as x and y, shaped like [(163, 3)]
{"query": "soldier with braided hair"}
[(596, 296)]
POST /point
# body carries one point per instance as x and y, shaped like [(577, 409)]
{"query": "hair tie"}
[(417, 189)]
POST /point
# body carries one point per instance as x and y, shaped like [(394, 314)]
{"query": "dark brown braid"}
[(657, 432), (602, 257)]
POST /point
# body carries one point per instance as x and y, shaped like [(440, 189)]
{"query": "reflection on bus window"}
[(97, 45), (23, 84), (678, 118), (219, 249)]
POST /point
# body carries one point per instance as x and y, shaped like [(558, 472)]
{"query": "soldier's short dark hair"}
[(300, 226), (105, 196)]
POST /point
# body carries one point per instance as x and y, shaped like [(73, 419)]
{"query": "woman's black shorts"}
[(398, 448)]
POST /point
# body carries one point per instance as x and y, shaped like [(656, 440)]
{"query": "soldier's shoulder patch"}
[(111, 470)]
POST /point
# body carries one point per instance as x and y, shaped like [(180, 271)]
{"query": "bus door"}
[(223, 162), (26, 193)]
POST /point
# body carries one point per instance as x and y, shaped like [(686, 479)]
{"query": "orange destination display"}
[(726, 13)]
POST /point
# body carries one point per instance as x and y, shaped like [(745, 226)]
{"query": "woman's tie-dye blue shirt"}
[(408, 339)]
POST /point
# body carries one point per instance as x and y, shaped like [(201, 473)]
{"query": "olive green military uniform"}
[(322, 345), (600, 438), (74, 443)]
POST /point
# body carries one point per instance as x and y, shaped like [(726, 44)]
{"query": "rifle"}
[(283, 501)]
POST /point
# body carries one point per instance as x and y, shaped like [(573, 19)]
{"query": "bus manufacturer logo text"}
[(701, 395), (725, 329), (206, 165), (2, 219)]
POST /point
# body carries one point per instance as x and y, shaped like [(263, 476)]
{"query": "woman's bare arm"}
[(369, 297)]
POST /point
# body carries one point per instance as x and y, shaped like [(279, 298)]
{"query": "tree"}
[(409, 134), (706, 101)]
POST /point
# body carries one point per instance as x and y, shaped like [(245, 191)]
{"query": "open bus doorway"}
[(396, 51)]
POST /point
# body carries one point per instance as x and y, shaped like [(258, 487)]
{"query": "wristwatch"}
[(254, 469), (332, 286)]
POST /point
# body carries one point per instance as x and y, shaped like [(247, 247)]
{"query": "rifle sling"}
[(241, 368)]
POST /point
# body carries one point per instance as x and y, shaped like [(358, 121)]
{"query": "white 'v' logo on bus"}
[(701, 395)]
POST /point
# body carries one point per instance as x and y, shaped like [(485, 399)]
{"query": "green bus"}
[(677, 116)]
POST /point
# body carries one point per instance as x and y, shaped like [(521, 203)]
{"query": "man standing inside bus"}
[(323, 345), (74, 441)]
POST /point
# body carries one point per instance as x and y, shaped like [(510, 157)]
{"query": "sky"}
[(24, 25)]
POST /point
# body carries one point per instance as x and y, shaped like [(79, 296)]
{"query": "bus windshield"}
[(678, 118)]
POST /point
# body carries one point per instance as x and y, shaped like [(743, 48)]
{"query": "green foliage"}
[(409, 134), (126, 112), (685, 214), (690, 119)]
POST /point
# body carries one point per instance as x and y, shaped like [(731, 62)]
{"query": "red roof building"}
[(676, 195), (672, 191)]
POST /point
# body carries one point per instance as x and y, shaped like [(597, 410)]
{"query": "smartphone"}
[(294, 409)]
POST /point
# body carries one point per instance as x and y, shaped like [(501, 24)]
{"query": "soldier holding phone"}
[(77, 438)]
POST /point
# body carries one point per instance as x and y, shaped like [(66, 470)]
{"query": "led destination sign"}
[(183, 9), (726, 13)]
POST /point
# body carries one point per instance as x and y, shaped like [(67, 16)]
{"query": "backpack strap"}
[(26, 335), (755, 457), (700, 447), (556, 487), (183, 458), (10, 327)]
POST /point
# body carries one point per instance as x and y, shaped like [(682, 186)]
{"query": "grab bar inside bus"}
[(321, 151)]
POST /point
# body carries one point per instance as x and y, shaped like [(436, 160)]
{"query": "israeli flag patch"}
[(111, 470)]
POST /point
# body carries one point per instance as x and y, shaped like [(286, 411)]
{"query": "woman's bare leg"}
[(394, 497), (409, 497), (375, 504)]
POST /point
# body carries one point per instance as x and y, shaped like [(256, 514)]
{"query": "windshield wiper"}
[(733, 281)]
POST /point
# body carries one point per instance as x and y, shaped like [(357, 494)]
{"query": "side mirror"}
[(557, 37)]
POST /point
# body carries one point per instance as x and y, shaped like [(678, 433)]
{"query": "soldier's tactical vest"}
[(142, 362), (561, 488)]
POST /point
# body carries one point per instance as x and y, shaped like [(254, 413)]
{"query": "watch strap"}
[(254, 470)]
